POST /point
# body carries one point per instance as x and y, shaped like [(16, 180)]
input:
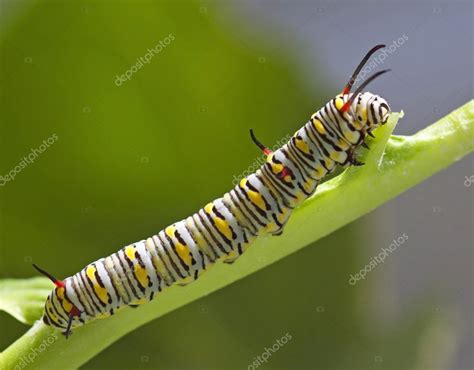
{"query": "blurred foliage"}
[(24, 298), (134, 158)]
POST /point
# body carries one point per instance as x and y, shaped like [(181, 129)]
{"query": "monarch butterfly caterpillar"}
[(260, 204)]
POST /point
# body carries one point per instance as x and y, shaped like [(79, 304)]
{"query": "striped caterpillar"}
[(260, 204)]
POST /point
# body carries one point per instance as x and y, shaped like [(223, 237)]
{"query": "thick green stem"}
[(393, 165)]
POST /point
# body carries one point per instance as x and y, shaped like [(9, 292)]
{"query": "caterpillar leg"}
[(186, 281), (352, 160), (231, 257), (280, 230), (138, 302), (236, 253), (230, 261), (67, 333), (195, 276), (73, 313)]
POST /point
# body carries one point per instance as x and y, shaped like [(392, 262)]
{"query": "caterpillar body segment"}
[(223, 229)]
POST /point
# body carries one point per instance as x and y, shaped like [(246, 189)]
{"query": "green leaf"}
[(24, 299), (393, 165)]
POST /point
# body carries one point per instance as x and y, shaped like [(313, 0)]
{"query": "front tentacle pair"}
[(74, 312)]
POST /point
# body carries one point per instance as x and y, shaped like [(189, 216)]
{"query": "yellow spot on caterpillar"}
[(321, 171), (282, 217), (276, 168), (170, 231), (307, 187), (270, 158), (91, 273), (65, 303), (181, 249), (338, 156), (141, 274), (339, 103), (319, 126), (271, 226), (343, 144), (130, 252), (243, 182), (328, 163), (299, 196), (60, 292), (257, 199), (50, 310), (100, 291), (183, 253), (223, 227), (302, 145), (351, 136), (208, 208), (334, 155)]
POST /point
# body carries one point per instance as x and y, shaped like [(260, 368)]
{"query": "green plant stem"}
[(393, 165)]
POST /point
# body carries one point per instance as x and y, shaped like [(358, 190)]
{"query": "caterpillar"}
[(222, 230)]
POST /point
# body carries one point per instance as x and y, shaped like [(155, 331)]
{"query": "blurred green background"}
[(131, 159)]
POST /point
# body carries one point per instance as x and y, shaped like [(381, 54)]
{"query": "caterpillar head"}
[(59, 311), (369, 111), (365, 110)]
